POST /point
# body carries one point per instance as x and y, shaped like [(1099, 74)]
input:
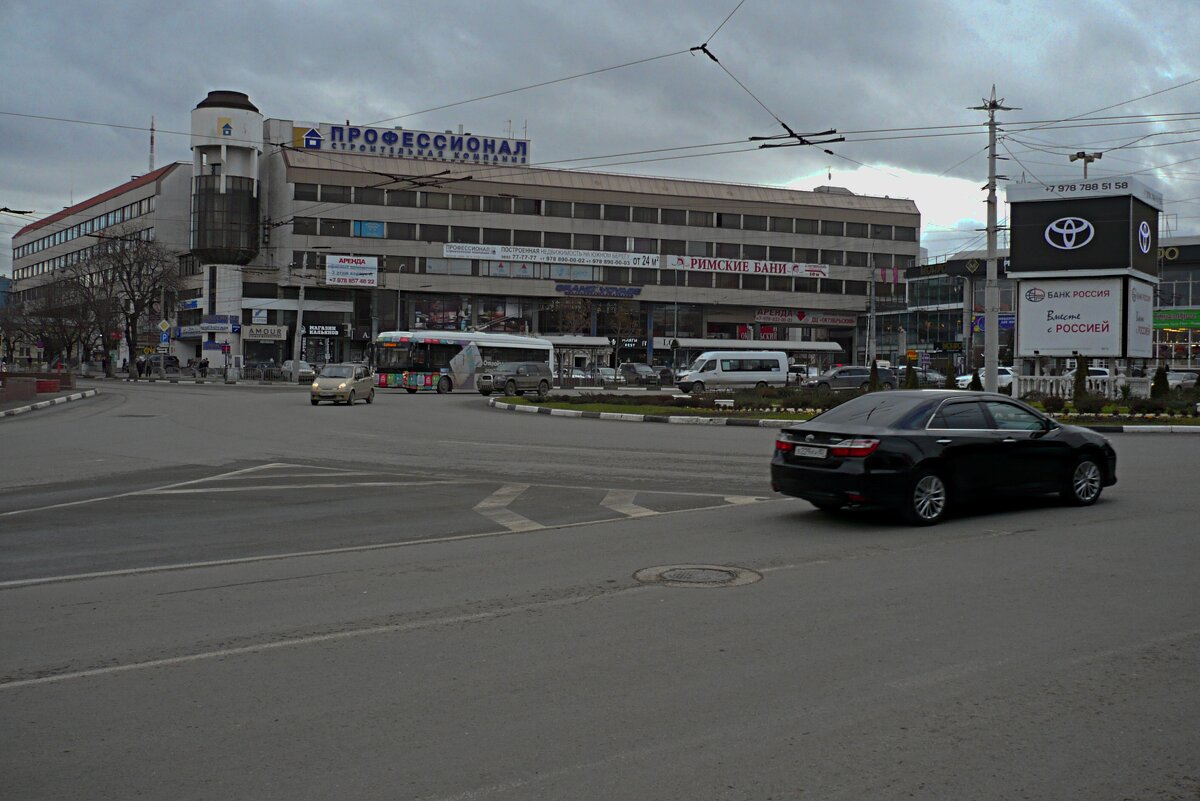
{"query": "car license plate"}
[(326, 394), (810, 451)]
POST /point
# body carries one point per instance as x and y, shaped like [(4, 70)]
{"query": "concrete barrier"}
[(19, 388)]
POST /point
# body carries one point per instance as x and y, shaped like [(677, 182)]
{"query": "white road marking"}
[(495, 508), (268, 487), (622, 501)]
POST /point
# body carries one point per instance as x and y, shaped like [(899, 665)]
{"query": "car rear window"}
[(881, 410)]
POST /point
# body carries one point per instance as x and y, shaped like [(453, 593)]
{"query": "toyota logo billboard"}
[(1089, 233)]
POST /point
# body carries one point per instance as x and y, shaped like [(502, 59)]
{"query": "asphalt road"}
[(216, 592)]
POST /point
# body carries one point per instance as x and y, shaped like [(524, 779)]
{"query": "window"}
[(672, 247), (1010, 417), (558, 208), (497, 205), (302, 192), (527, 205), (434, 200), (882, 260), (527, 239), (696, 278), (754, 222), (464, 235), (702, 219), (401, 230), (616, 244), (881, 231), (779, 283), (806, 285), (642, 214), (728, 250), (806, 226), (729, 221), (699, 248), (856, 258), (368, 196), (641, 276), (402, 197), (587, 241), (331, 193), (856, 229), (856, 288), (448, 266), (834, 257), (434, 233), (960, 416), (464, 202), (754, 252), (674, 217), (728, 280), (587, 211), (832, 228), (330, 227), (497, 236), (616, 213), (557, 239), (906, 234), (370, 229), (781, 225), (779, 254), (642, 245), (754, 282)]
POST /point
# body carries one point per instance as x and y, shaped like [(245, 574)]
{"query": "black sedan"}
[(923, 451)]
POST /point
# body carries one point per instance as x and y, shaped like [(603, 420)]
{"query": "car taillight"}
[(784, 446), (857, 448)]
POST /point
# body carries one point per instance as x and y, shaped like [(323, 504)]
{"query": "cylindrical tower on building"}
[(227, 140)]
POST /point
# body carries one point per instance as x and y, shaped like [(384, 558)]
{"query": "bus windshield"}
[(394, 358)]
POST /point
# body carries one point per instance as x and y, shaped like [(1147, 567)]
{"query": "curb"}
[(741, 421), (643, 418), (87, 393)]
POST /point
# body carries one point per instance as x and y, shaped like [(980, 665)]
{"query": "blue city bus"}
[(444, 361)]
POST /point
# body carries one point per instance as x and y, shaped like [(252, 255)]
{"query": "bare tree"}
[(56, 318), (100, 293), (140, 271)]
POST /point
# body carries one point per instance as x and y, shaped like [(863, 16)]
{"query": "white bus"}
[(443, 361)]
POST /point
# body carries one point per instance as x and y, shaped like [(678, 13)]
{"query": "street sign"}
[(164, 338), (164, 348), (164, 326)]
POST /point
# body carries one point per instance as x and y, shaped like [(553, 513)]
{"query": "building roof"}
[(128, 186), (375, 166)]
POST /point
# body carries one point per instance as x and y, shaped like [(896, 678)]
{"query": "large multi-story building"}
[(354, 229)]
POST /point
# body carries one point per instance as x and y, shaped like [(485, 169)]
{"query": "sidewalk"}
[(188, 380)]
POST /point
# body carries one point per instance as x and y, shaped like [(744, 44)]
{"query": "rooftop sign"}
[(402, 143)]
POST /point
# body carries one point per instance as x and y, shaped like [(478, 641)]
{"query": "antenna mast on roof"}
[(151, 143)]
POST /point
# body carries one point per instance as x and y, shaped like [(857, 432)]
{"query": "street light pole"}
[(296, 337), (1086, 158)]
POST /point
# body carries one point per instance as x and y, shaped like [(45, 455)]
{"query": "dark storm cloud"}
[(854, 66)]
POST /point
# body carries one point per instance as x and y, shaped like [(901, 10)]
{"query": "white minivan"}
[(726, 369)]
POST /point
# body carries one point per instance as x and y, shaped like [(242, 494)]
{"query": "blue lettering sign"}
[(407, 139), (370, 136), (337, 134), (390, 137)]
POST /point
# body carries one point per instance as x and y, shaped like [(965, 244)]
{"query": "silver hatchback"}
[(343, 383)]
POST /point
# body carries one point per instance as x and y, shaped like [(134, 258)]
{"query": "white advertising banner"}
[(352, 271), (597, 258), (1139, 324), (1067, 317), (801, 317), (748, 266)]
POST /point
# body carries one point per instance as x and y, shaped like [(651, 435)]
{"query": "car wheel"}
[(313, 401), (444, 385), (761, 386), (697, 387), (371, 396), (510, 389), (864, 386), (1084, 483), (823, 386), (350, 400), (887, 385), (827, 506), (485, 392), (927, 499), (410, 390), (543, 389)]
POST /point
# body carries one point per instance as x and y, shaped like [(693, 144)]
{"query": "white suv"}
[(1004, 378)]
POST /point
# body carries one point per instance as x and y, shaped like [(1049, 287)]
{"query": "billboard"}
[(748, 266), (1139, 320), (801, 317), (1070, 316), (1092, 233), (362, 271)]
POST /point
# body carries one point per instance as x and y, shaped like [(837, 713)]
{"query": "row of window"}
[(74, 257), (614, 276), (114, 217), (372, 196), (414, 232)]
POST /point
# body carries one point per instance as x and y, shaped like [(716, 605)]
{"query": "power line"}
[(722, 25)]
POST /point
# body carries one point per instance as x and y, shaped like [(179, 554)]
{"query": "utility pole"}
[(871, 354), (991, 288), (1087, 159), (296, 337)]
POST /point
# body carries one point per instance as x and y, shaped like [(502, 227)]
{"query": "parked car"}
[(1181, 380), (923, 452), (1093, 372), (305, 371), (162, 363), (343, 383), (734, 368), (801, 373), (925, 376), (638, 374), (604, 375), (1004, 378), (516, 378), (852, 377)]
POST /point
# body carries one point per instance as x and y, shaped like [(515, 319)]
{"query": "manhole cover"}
[(697, 576)]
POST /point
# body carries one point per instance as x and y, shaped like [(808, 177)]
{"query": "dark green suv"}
[(516, 378)]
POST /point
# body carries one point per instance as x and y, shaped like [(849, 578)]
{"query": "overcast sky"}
[(855, 65)]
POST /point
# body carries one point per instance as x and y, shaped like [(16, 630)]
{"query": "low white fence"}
[(1064, 386)]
